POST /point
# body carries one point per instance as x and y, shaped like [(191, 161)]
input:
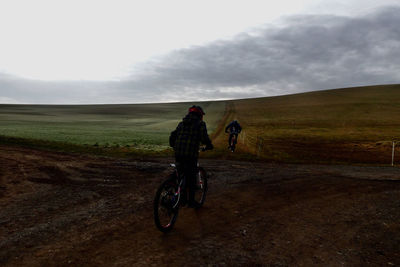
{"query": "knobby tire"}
[(201, 191), (168, 186)]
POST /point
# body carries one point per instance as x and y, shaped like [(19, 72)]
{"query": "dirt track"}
[(62, 209)]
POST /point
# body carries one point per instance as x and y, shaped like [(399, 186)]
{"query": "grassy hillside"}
[(145, 126), (342, 125)]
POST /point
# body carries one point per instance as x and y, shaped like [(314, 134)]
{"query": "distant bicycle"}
[(232, 146), (232, 141), (233, 129), (168, 198)]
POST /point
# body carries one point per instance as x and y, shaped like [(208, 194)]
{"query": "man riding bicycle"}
[(233, 129), (186, 140)]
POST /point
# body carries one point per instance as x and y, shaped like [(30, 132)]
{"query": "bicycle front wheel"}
[(233, 143), (201, 187), (165, 206)]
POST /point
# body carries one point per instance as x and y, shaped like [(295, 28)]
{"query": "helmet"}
[(197, 109)]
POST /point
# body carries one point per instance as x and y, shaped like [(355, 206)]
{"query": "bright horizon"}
[(134, 51)]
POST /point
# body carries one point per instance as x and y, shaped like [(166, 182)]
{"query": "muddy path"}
[(59, 209)]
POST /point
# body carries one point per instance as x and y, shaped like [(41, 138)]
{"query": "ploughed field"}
[(61, 209)]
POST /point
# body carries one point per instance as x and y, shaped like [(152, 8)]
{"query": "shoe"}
[(194, 205), (183, 201)]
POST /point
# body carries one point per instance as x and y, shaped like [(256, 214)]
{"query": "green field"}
[(141, 126)]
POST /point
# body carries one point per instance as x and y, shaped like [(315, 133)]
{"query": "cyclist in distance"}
[(233, 129), (186, 140)]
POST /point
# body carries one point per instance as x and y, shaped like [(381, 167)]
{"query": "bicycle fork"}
[(178, 193)]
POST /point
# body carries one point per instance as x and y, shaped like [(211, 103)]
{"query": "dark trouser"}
[(230, 138), (188, 167)]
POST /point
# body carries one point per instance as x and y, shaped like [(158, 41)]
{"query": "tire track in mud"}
[(217, 135)]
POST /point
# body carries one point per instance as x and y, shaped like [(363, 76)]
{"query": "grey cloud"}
[(18, 90), (303, 53), (306, 53)]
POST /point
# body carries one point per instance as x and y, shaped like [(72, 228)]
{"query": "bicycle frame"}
[(233, 140)]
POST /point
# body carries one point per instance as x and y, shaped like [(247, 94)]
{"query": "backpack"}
[(172, 138)]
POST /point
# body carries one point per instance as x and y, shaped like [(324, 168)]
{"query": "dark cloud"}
[(303, 53)]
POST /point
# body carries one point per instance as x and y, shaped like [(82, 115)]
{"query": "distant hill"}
[(353, 125)]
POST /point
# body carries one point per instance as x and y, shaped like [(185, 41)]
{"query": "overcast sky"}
[(177, 50)]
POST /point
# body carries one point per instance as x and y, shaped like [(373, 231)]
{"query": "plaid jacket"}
[(188, 135)]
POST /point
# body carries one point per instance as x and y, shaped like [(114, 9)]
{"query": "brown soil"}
[(62, 209)]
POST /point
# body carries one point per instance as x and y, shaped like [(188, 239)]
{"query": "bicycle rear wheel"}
[(201, 186), (165, 206)]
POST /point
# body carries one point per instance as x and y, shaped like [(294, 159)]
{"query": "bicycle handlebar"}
[(202, 149)]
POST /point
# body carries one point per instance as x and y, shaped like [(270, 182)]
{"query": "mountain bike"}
[(169, 197), (232, 145)]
